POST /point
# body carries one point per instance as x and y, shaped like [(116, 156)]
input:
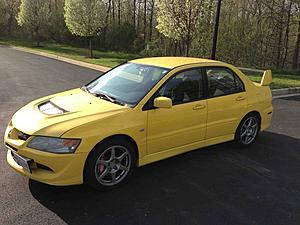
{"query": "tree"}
[(145, 19), (85, 18), (2, 12), (57, 29), (296, 53), (11, 11), (177, 19), (152, 5), (296, 50), (34, 15)]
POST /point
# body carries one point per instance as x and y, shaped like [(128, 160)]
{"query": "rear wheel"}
[(247, 130), (110, 164)]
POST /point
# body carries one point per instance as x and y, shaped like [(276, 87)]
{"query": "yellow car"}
[(135, 114)]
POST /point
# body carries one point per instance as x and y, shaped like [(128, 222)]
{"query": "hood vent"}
[(49, 108)]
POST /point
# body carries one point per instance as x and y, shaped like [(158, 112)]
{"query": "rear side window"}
[(222, 81)]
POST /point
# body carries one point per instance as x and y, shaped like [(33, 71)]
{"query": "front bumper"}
[(67, 171), (49, 168)]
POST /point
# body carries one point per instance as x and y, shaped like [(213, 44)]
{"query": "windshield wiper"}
[(105, 96), (109, 98)]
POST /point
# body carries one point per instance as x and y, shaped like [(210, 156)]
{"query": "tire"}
[(110, 164), (247, 130)]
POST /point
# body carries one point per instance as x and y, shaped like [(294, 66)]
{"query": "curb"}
[(99, 68), (285, 91)]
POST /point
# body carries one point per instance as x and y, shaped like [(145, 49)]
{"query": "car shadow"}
[(216, 185)]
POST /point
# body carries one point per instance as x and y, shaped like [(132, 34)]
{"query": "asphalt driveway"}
[(216, 185)]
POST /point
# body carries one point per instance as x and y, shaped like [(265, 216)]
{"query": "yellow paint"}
[(159, 133), (267, 78), (163, 102)]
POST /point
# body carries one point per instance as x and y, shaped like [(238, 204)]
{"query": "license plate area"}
[(22, 161)]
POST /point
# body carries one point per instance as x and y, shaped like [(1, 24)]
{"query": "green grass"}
[(279, 80), (103, 58), (111, 59)]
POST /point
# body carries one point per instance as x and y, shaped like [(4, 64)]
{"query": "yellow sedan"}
[(135, 114)]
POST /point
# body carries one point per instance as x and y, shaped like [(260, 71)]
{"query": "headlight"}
[(55, 145)]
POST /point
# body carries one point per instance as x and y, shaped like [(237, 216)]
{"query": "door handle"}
[(240, 98), (199, 107)]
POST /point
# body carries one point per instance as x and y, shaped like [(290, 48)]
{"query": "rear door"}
[(226, 103)]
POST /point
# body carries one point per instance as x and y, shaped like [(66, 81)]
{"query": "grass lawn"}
[(279, 80), (111, 59), (103, 58)]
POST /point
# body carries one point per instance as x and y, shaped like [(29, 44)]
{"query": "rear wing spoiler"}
[(266, 78)]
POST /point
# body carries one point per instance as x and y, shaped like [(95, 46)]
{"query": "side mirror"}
[(163, 102)]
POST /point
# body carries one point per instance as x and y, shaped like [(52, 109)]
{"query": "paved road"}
[(217, 185)]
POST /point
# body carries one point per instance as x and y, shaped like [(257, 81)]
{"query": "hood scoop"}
[(49, 108)]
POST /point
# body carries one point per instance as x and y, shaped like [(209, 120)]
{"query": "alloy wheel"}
[(249, 130), (113, 165)]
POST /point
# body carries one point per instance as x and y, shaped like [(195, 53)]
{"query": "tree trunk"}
[(296, 51), (138, 17), (113, 12), (187, 50), (216, 30), (188, 39), (37, 33), (180, 48), (9, 24), (134, 12), (106, 22), (119, 13), (287, 32), (90, 47), (279, 43), (151, 20), (145, 19)]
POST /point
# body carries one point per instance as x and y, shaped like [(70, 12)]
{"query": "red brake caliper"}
[(100, 168)]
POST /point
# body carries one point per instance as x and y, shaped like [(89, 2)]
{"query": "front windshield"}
[(127, 83)]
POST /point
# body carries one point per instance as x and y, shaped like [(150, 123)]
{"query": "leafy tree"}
[(296, 53), (85, 18), (34, 15), (2, 12), (57, 29), (11, 12), (253, 33), (177, 19)]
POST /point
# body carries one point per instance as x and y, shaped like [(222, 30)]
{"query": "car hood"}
[(79, 108)]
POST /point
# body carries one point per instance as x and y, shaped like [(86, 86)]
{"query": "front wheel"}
[(110, 164), (248, 130)]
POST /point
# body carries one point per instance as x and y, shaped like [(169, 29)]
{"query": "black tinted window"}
[(222, 81), (183, 87)]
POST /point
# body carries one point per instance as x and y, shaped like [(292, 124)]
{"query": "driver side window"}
[(184, 87)]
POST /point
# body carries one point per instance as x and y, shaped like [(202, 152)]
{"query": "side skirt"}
[(186, 148)]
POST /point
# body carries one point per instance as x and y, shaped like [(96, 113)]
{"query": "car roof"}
[(171, 62)]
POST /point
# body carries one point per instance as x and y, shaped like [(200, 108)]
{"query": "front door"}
[(185, 122)]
